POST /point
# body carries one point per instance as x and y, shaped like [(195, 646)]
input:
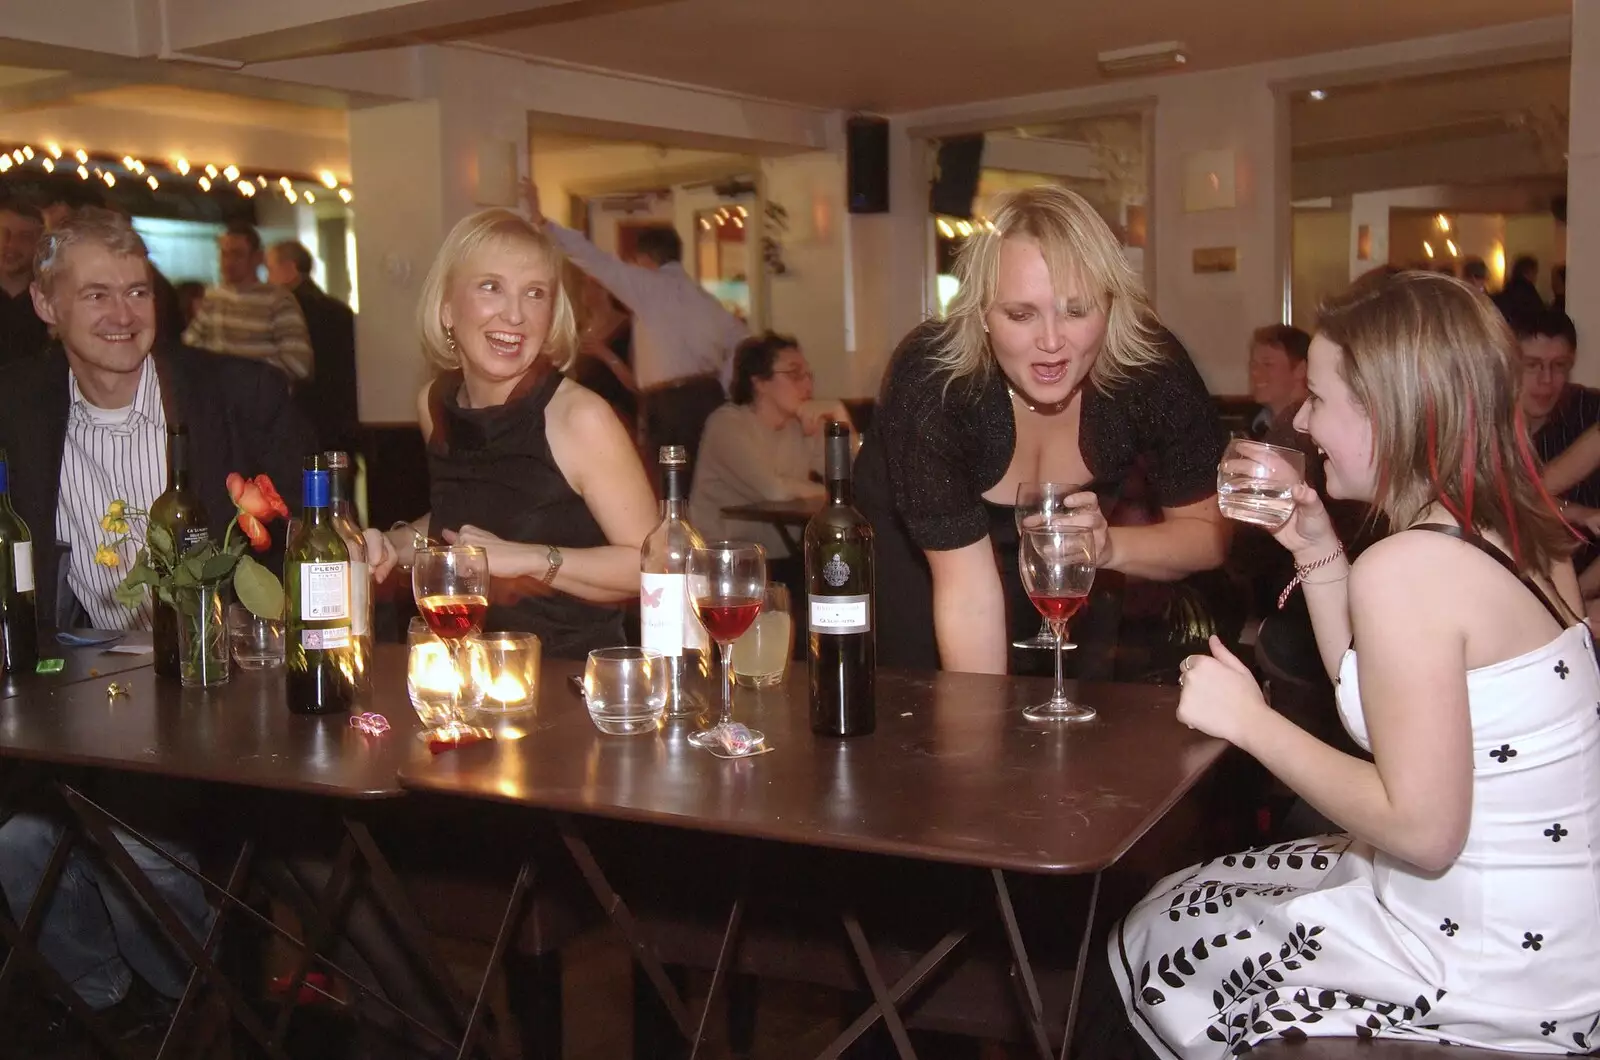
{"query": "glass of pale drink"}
[(761, 655), (1255, 482)]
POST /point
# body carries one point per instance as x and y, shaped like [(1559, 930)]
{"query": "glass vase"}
[(203, 634)]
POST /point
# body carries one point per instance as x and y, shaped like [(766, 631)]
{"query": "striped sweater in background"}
[(262, 323)]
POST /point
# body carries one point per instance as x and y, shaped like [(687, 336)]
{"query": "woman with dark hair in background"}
[(766, 445)]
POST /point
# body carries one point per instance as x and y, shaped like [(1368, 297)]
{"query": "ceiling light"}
[(1427, 248), (311, 196), (182, 166), (5, 163), (82, 156), (1143, 59), (1443, 222), (1450, 245), (27, 152), (945, 229), (83, 172), (55, 149), (205, 183), (153, 182), (329, 181), (110, 178), (247, 189), (49, 166), (1317, 95), (344, 193), (231, 173), (211, 171), (289, 193)]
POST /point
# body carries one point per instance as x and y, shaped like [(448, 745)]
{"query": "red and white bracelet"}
[(1301, 572)]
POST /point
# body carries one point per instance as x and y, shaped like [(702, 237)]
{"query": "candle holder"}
[(441, 693), (506, 672)]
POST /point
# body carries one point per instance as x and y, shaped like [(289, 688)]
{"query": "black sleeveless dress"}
[(493, 468)]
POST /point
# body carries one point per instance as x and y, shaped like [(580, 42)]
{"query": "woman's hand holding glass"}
[(1083, 511), (1309, 532)]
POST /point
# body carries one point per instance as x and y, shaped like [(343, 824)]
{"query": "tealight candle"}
[(506, 671)]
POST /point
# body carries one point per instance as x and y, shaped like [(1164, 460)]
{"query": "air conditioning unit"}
[(1143, 59)]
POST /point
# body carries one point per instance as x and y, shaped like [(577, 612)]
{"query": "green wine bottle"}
[(19, 632), (179, 511), (320, 663), (341, 486)]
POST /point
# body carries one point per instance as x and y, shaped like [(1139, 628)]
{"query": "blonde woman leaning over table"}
[(522, 461), (1462, 902)]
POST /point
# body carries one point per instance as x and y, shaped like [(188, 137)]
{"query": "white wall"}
[(1370, 209), (1321, 260), (809, 300), (399, 222)]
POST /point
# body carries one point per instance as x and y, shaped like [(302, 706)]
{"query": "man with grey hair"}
[(84, 423), (328, 400)]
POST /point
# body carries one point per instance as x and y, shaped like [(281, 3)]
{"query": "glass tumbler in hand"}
[(727, 582), (1255, 482), (1040, 504), (1058, 565)]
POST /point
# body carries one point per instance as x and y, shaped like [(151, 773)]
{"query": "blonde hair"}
[(1078, 247), (1435, 367), (89, 226), (471, 234)]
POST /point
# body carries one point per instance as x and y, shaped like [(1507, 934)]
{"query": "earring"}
[(455, 350), (986, 327)]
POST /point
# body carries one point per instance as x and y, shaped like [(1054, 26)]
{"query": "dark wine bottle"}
[(320, 666), (842, 652), (19, 631), (179, 511)]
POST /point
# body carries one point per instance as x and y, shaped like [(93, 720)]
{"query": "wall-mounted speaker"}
[(867, 164), (955, 184)]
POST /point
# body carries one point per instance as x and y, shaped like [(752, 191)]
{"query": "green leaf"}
[(129, 594), (185, 575), (218, 567), (258, 589), (159, 540)]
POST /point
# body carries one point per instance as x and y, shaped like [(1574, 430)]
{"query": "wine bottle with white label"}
[(667, 621), (341, 499), (319, 668), (19, 633), (842, 652)]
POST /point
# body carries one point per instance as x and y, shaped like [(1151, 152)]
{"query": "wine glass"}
[(1058, 564), (1255, 482), (727, 581), (451, 587), (1042, 504)]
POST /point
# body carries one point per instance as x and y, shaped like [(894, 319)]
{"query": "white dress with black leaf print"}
[(1326, 936)]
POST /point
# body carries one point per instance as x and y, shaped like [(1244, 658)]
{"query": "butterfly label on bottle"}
[(320, 639), (666, 624)]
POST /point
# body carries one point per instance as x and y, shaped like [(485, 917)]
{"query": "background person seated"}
[(766, 445)]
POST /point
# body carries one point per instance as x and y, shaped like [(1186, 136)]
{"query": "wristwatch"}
[(553, 559)]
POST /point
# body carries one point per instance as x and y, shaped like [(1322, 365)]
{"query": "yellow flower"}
[(108, 524), (107, 557), (116, 508), (119, 526)]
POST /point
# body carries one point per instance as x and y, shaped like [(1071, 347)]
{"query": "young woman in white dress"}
[(1463, 905)]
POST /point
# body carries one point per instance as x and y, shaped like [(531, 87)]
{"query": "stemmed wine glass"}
[(1058, 565), (1042, 504), (451, 587), (727, 581)]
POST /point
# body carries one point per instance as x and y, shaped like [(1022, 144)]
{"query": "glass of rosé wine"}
[(451, 587), (1058, 565), (727, 582)]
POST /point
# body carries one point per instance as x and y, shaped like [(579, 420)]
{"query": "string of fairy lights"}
[(209, 177)]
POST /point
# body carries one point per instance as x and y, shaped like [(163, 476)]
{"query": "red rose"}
[(258, 501)]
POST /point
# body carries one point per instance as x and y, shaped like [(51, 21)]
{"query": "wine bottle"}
[(341, 498), (841, 653), (666, 619), (180, 513), (320, 673), (19, 631)]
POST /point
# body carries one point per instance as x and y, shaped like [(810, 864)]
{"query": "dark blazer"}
[(329, 398), (240, 418)]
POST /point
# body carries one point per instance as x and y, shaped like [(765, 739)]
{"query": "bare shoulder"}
[(1407, 572), (576, 409)]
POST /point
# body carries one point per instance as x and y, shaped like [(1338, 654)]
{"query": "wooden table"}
[(953, 775), (789, 517), (82, 663), (240, 736)]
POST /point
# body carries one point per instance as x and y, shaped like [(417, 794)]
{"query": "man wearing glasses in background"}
[(1557, 410)]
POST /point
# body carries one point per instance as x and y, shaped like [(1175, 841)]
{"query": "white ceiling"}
[(897, 55)]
